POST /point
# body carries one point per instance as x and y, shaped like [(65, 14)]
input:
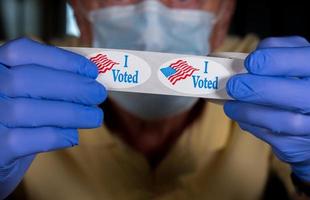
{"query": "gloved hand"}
[(273, 99), (46, 93)]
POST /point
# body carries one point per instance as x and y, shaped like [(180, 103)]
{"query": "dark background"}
[(263, 17), (272, 18)]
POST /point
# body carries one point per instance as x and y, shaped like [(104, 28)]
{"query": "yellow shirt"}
[(213, 159)]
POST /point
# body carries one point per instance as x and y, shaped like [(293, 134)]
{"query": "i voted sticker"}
[(193, 75), (120, 70)]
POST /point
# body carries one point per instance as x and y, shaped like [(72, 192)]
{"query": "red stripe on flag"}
[(183, 70), (103, 63)]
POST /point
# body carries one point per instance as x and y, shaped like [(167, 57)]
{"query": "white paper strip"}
[(162, 73)]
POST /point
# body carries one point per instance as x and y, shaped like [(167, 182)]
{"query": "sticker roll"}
[(164, 73)]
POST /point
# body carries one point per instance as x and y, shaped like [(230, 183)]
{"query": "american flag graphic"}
[(103, 63), (181, 70)]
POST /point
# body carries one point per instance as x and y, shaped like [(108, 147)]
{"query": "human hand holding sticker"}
[(273, 99), (46, 94)]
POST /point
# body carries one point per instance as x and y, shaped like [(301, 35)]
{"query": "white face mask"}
[(151, 26)]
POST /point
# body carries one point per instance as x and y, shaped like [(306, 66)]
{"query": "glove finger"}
[(25, 51), (290, 41), (267, 136), (24, 112), (284, 61), (45, 83), (261, 133), (276, 120), (290, 149), (19, 142), (10, 177), (286, 93)]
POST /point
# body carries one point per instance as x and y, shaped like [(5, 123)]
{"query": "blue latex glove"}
[(273, 99), (46, 93)]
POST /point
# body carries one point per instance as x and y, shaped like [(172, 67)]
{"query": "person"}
[(145, 150)]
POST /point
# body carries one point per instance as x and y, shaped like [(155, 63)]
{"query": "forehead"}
[(210, 5)]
